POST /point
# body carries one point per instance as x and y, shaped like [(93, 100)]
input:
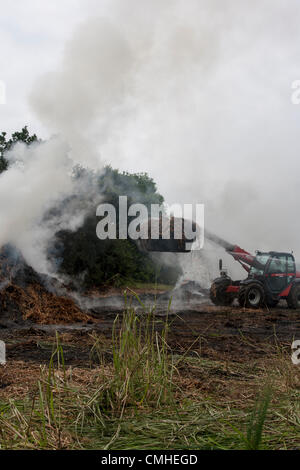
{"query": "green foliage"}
[(252, 440), (138, 187), (102, 261), (257, 420), (7, 144), (138, 399), (142, 366), (81, 254), (3, 148), (95, 262)]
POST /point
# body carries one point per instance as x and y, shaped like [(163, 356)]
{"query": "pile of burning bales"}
[(25, 296)]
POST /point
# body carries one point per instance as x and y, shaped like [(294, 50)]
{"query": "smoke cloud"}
[(197, 94), (39, 178)]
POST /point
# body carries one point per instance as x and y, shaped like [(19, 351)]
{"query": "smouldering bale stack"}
[(36, 304)]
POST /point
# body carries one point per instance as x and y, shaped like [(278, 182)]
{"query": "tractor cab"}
[(275, 270)]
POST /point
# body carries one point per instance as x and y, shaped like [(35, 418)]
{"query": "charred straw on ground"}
[(25, 295)]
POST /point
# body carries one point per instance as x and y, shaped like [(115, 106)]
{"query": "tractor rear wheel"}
[(241, 296), (218, 294), (293, 299), (251, 295)]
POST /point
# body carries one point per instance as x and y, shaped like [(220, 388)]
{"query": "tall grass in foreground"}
[(252, 439), (40, 422), (257, 420), (142, 365), (133, 401), (140, 376)]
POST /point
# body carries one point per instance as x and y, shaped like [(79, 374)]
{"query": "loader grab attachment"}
[(272, 276)]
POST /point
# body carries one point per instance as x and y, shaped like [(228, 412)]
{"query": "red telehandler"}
[(271, 277)]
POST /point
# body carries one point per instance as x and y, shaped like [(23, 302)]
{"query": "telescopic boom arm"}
[(243, 257)]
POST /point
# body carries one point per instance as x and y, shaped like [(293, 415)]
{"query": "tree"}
[(6, 145), (80, 254), (94, 262), (3, 147)]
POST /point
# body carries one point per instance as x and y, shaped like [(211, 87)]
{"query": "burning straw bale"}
[(35, 303), (25, 297)]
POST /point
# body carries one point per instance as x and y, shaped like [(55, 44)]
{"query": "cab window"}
[(291, 269), (278, 265), (290, 265), (259, 267)]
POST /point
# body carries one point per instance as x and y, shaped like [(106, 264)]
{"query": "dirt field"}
[(228, 333), (224, 358)]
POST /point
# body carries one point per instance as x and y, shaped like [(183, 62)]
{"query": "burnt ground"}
[(223, 359), (219, 333), (222, 351), (34, 307)]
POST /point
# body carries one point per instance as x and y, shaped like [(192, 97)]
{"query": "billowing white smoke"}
[(38, 179), (198, 94), (121, 94), (84, 99)]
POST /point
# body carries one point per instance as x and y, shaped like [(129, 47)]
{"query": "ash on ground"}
[(189, 291), (27, 297)]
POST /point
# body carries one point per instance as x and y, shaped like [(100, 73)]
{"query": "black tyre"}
[(251, 295), (272, 303), (242, 296), (293, 299), (218, 294)]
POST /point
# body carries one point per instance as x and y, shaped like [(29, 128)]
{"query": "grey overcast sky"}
[(32, 38), (196, 92)]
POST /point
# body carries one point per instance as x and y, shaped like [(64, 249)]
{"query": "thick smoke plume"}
[(45, 198), (39, 176), (198, 94)]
